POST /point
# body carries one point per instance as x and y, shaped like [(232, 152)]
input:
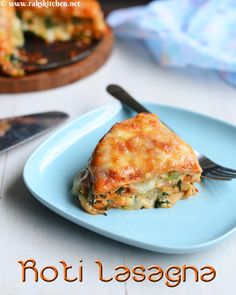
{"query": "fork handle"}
[(124, 97)]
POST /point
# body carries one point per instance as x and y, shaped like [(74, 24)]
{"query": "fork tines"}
[(219, 172)]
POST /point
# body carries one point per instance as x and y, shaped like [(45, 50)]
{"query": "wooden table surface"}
[(29, 230)]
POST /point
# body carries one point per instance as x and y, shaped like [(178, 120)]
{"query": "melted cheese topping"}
[(137, 150)]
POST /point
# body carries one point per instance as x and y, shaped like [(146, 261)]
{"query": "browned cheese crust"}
[(137, 150)]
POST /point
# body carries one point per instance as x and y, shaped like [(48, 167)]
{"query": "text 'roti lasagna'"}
[(140, 163), (83, 23)]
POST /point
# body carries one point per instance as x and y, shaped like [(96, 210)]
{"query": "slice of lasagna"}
[(83, 22), (140, 163), (11, 38)]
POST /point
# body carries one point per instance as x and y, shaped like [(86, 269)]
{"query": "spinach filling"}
[(174, 175), (159, 203), (49, 23), (179, 184), (162, 200), (120, 190), (77, 20)]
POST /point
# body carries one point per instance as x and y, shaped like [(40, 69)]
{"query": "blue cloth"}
[(199, 33)]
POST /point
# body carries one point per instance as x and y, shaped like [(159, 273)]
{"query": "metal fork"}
[(211, 170)]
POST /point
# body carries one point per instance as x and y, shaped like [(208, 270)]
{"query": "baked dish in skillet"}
[(83, 23), (140, 163)]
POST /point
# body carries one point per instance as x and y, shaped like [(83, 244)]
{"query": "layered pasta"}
[(140, 163)]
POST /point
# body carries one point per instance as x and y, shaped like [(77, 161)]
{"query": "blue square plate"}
[(191, 225)]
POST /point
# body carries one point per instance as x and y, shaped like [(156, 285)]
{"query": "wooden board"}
[(60, 76)]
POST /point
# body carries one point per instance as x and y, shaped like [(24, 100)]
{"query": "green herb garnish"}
[(165, 194), (30, 21), (179, 184), (49, 23), (81, 191), (173, 175), (91, 199), (159, 203), (18, 14), (120, 190)]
